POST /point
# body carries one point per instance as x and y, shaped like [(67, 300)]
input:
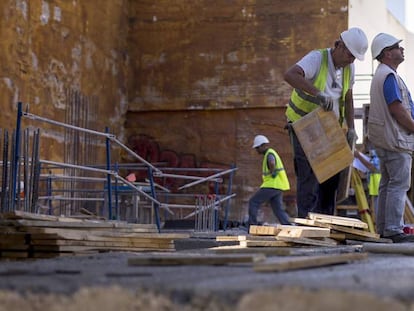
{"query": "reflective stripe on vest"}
[(281, 181), (301, 103)]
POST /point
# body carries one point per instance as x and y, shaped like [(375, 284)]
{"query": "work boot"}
[(401, 238)]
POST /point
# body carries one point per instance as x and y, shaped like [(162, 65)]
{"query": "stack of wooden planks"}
[(316, 230), (27, 235)]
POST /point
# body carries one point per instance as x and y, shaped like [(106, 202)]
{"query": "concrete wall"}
[(208, 76)]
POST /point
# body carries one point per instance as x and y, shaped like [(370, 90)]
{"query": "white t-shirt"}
[(311, 64)]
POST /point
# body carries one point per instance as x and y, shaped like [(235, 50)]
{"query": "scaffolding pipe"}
[(113, 173), (62, 198), (207, 178), (86, 168), (65, 125), (106, 135), (58, 176), (220, 180), (115, 140)]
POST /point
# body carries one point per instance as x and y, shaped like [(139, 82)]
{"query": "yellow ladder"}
[(363, 207)]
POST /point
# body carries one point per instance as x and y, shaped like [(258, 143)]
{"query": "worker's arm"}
[(402, 116), (393, 97), (296, 78), (271, 164), (365, 162)]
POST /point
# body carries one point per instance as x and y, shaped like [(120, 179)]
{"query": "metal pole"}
[(229, 189), (156, 205), (15, 162), (207, 178), (108, 176)]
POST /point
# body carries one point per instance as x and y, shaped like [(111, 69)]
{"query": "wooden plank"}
[(350, 236), (68, 248), (238, 249), (304, 221), (32, 216), (307, 241), (257, 243), (84, 224), (194, 259), (238, 238), (230, 238), (304, 232), (106, 244), (263, 230), (14, 254), (14, 247), (307, 262), (344, 184), (288, 230), (338, 220), (357, 232), (48, 233), (324, 143)]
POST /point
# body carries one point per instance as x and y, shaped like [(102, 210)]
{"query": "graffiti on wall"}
[(149, 149)]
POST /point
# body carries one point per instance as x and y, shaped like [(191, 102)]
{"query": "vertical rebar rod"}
[(36, 171), (16, 154), (5, 175)]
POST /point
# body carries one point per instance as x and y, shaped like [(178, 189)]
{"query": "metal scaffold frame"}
[(12, 186)]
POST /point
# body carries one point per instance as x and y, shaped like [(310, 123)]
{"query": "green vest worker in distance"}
[(323, 78), (275, 181)]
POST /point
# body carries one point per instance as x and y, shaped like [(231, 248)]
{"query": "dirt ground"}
[(106, 282), (120, 299)]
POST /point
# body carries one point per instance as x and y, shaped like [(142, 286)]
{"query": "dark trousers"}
[(310, 195), (275, 198)]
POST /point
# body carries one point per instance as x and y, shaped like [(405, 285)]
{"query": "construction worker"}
[(390, 130), (275, 181), (323, 78)]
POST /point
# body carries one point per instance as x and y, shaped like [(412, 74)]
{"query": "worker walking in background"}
[(275, 181), (390, 130), (323, 78)]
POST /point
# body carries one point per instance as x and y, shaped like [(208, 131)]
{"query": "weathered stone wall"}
[(198, 78), (208, 76), (68, 61)]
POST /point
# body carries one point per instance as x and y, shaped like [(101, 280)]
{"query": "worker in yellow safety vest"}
[(323, 78), (274, 182)]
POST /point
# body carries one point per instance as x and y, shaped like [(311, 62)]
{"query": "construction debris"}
[(24, 235)]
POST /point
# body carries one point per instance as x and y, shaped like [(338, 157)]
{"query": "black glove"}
[(274, 174), (325, 101)]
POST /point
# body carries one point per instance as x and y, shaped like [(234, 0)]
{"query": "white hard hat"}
[(260, 140), (356, 42), (382, 41)]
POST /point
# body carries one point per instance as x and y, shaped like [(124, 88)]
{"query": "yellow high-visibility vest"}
[(301, 103), (281, 181)]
